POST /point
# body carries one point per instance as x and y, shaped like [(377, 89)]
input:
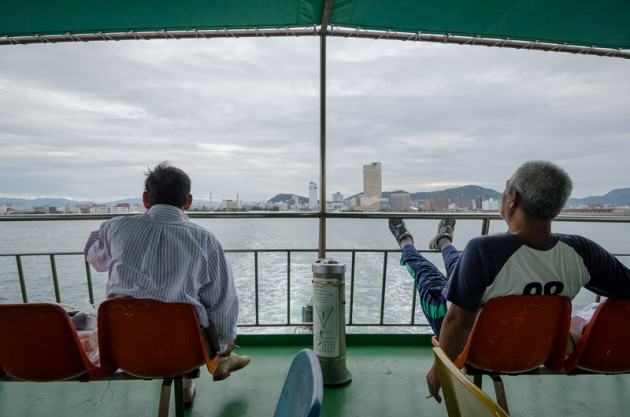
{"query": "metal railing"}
[(485, 226), (257, 321)]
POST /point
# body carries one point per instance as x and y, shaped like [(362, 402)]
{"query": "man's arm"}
[(456, 327), (218, 295), (95, 251)]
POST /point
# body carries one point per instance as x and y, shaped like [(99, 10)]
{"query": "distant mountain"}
[(39, 202), (284, 197), (616, 198), (467, 191)]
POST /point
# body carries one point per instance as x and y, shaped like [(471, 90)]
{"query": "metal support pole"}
[(18, 260), (322, 146), (88, 275), (485, 226), (53, 268), (256, 286)]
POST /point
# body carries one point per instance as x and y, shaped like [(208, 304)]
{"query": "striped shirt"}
[(163, 256)]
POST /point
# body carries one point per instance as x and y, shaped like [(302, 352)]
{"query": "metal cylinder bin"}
[(329, 325)]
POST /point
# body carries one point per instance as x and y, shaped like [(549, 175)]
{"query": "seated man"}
[(163, 256), (527, 260)]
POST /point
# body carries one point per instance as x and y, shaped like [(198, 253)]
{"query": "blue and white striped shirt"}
[(163, 256)]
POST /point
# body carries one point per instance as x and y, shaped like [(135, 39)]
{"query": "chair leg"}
[(179, 397), (499, 391), (477, 380), (165, 397)]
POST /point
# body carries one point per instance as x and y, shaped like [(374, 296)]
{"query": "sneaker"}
[(230, 364), (189, 392), (399, 230), (445, 229)]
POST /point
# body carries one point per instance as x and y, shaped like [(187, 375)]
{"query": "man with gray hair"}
[(527, 260)]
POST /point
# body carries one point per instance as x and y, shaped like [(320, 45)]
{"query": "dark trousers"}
[(430, 282)]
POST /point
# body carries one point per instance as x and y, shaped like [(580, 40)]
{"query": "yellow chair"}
[(462, 397)]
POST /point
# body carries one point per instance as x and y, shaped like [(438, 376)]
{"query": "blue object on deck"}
[(303, 389)]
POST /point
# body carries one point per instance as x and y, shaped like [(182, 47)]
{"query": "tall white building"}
[(337, 201), (372, 186), (312, 195)]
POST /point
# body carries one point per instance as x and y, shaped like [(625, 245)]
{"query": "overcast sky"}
[(240, 116)]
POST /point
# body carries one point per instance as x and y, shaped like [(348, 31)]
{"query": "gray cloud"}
[(85, 120)]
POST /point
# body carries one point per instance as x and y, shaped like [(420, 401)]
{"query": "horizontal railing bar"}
[(192, 215), (270, 250), (344, 32), (433, 215), (347, 324)]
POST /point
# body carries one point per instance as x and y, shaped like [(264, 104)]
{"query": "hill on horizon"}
[(466, 191), (615, 198)]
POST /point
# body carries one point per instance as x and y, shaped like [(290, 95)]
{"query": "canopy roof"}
[(602, 24)]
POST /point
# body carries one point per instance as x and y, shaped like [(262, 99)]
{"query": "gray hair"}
[(544, 188)]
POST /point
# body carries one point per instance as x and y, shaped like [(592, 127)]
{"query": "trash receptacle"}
[(329, 325)]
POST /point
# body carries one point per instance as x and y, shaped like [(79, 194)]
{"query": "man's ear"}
[(145, 200), (188, 203), (515, 199)]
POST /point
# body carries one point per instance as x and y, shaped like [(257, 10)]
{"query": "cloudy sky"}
[(241, 116)]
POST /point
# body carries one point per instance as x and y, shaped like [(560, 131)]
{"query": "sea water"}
[(281, 234)]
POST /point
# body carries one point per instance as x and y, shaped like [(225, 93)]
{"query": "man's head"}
[(167, 185), (539, 188)]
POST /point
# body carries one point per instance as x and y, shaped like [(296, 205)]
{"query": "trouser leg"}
[(451, 258), (430, 283)]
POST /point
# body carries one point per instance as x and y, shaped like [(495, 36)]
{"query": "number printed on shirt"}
[(537, 288)]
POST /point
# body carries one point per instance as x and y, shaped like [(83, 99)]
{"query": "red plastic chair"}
[(39, 343), (151, 339), (605, 343), (516, 334)]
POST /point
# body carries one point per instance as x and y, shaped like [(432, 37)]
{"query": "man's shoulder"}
[(494, 241)]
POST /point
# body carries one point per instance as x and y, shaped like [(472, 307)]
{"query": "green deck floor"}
[(387, 381)]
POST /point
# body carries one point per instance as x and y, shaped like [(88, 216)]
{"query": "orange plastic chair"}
[(605, 343), (462, 397), (151, 339), (39, 343), (517, 334)]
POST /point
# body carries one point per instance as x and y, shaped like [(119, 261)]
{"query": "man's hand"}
[(433, 381)]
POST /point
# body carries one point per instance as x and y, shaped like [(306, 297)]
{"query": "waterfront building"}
[(312, 195), (337, 201), (400, 201), (440, 203), (490, 205), (372, 185)]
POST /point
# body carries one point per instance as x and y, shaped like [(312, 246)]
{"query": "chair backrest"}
[(462, 397), (519, 333), (303, 389), (150, 339), (39, 343), (605, 343)]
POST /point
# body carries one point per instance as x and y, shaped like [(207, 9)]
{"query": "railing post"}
[(18, 259), (88, 275), (354, 254), (413, 303), (485, 226), (256, 284), (384, 284), (288, 288), (53, 267)]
